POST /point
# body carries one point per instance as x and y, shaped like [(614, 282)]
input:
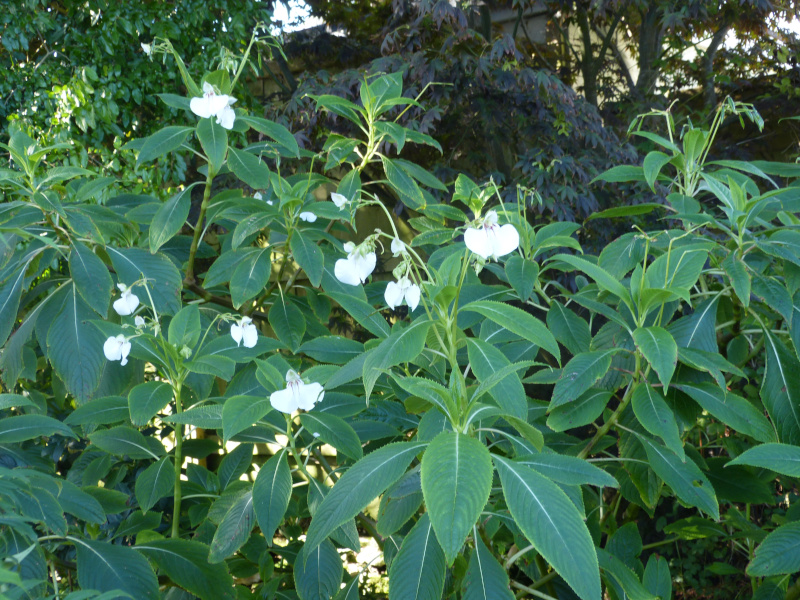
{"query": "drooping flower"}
[(338, 199), (117, 348), (244, 332), (211, 104), (138, 321), (358, 265), (308, 217), (398, 247), (297, 394), (402, 290), (491, 240), (127, 303)]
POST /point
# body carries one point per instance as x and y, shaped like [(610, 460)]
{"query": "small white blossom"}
[(490, 240), (148, 49), (127, 303), (338, 199), (308, 217), (297, 394), (358, 265), (138, 321), (211, 104), (117, 348), (244, 332), (258, 196), (398, 247), (402, 290)]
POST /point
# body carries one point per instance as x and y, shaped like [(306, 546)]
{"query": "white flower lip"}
[(398, 247), (127, 302), (211, 104), (117, 348), (244, 332), (308, 217), (402, 290), (490, 240), (354, 269), (338, 199), (296, 395)]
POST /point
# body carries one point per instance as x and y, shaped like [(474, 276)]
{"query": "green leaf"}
[(308, 256), (552, 523), (91, 277), (332, 349), (652, 165), (249, 168), (778, 554), (185, 562), (660, 349), (250, 276), (522, 275), (403, 345), (27, 427), (214, 140), (163, 279), (626, 211), (399, 503), (146, 399), (363, 312), (781, 458), (184, 328), (125, 441), (739, 277), (240, 412), (603, 278), (216, 365), (711, 363), (618, 571), (103, 411), (569, 470), (621, 174), (685, 478), (75, 347), (485, 361), (568, 328), (407, 189), (169, 218), (234, 529), (318, 572), (580, 412), (774, 295), (10, 294), (359, 486), (110, 567), (579, 374), (271, 493), (657, 579), (277, 132), (733, 410), (676, 269), (154, 483), (486, 579), (418, 570), (528, 431), (334, 431), (161, 142), (516, 321), (288, 323), (656, 417), (207, 417), (780, 390), (235, 464), (456, 481), (697, 330)]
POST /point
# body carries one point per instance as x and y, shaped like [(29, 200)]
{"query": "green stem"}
[(661, 543), (176, 507), (198, 228)]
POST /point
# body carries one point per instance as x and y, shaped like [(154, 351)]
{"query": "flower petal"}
[(201, 107), (208, 89), (365, 265), (504, 240), (309, 395), (338, 199), (237, 333), (226, 117), (284, 401), (132, 300), (309, 217), (346, 272), (412, 296), (125, 349), (112, 349), (250, 335), (478, 242), (393, 295), (398, 247)]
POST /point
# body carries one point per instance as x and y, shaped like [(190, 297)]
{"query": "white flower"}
[(491, 240), (258, 196), (138, 321), (296, 395), (402, 289), (338, 199), (127, 303), (148, 49), (358, 265), (117, 348), (244, 331), (308, 217), (398, 247), (211, 104)]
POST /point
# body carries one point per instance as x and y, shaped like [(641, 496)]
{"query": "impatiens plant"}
[(534, 423)]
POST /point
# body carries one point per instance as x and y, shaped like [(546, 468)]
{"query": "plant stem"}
[(176, 507), (198, 228)]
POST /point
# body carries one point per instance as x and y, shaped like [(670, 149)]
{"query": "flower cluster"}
[(489, 240), (297, 394), (211, 104)]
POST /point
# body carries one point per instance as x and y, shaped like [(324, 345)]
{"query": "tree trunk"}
[(651, 36), (709, 91)]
